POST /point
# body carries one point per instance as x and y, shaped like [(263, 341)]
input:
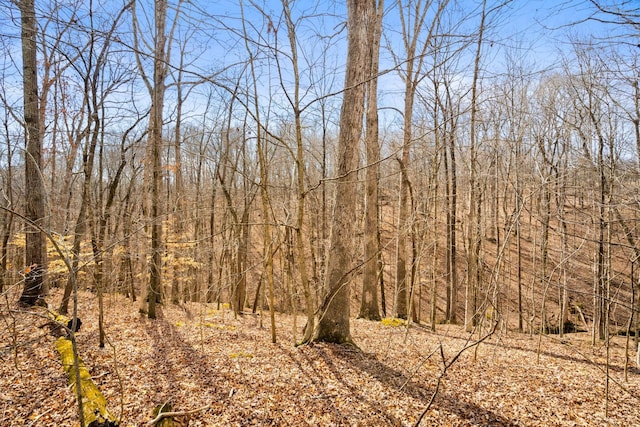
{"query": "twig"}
[(162, 415), (420, 365), (33, 422), (447, 365), (95, 377), (120, 382)]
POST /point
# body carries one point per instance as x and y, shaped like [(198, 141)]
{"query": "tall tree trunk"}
[(7, 217), (601, 279), (452, 209), (435, 166), (212, 243), (412, 25), (179, 212), (262, 149), (240, 290), (402, 296), (636, 119), (80, 227), (473, 230), (155, 139), (99, 233), (545, 214), (518, 231), (369, 303), (333, 315), (75, 254), (300, 177), (35, 247), (561, 197)]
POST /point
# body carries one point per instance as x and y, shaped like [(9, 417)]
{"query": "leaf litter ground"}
[(226, 372)]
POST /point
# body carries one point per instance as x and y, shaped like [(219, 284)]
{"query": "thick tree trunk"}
[(402, 294), (333, 315)]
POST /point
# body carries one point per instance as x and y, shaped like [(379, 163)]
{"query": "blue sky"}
[(535, 31)]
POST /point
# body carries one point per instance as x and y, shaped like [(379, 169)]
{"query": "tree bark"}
[(332, 323), (300, 176), (34, 289), (369, 303), (412, 26), (473, 230), (451, 190), (155, 139)]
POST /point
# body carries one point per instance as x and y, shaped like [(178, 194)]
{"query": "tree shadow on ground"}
[(208, 377), (168, 350), (574, 359), (580, 359), (394, 379), (378, 414)]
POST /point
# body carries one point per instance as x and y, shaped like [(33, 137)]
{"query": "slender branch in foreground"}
[(162, 415), (447, 365)]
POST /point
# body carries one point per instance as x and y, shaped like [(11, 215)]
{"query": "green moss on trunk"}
[(94, 403)]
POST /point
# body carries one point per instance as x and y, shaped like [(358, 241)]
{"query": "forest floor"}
[(228, 373)]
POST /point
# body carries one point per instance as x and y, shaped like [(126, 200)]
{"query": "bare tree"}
[(413, 20), (473, 217), (593, 127), (450, 110), (515, 96), (619, 13), (35, 250), (333, 315), (155, 138), (371, 272), (294, 101), (6, 217), (153, 173), (89, 135)]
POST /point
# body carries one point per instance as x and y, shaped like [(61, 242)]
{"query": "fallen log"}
[(94, 404), (61, 325)]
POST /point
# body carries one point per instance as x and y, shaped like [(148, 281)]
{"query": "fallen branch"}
[(35, 419), (162, 415)]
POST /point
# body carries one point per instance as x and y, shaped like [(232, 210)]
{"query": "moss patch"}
[(94, 404), (393, 322)]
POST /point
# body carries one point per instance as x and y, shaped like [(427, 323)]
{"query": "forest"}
[(291, 212)]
